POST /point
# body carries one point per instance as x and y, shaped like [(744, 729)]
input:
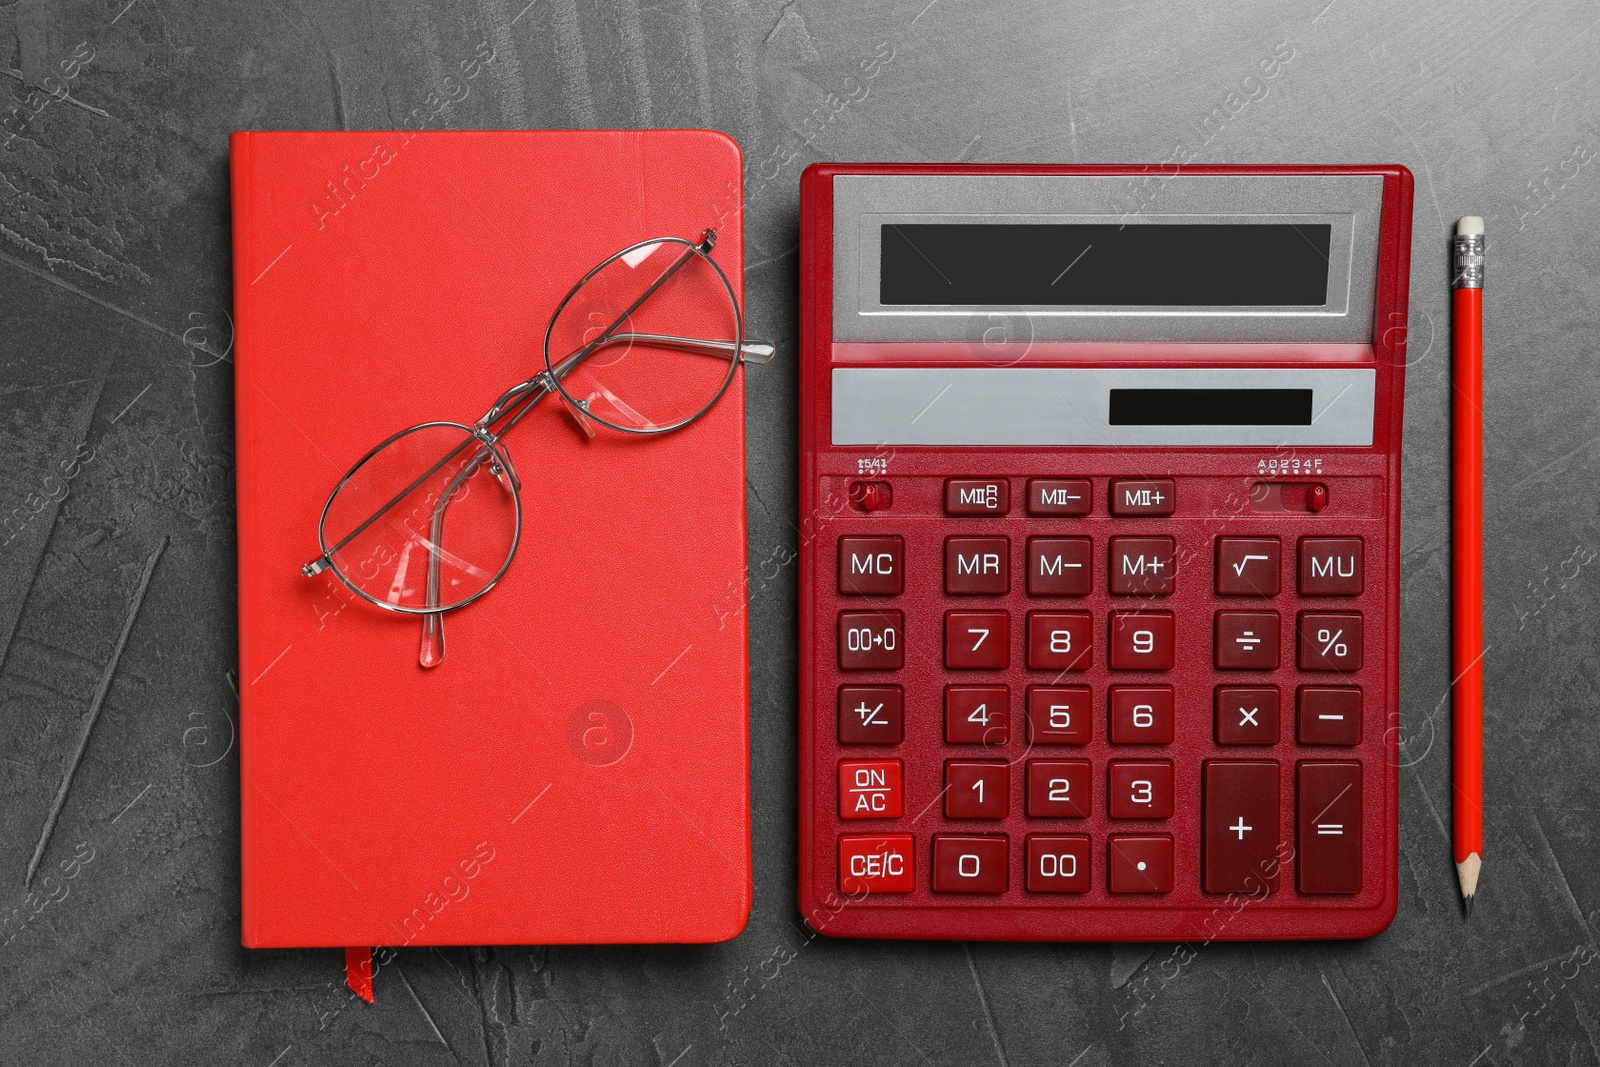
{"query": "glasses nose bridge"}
[(509, 399)]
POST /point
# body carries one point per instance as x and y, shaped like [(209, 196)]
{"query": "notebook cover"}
[(577, 769)]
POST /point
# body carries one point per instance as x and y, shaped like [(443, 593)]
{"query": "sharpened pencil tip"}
[(1466, 907)]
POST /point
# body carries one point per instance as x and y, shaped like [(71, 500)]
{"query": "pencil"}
[(1466, 501)]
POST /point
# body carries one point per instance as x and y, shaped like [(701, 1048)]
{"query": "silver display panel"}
[(1046, 406), (1348, 205)]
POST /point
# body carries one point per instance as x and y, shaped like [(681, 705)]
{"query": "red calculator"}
[(1100, 486)]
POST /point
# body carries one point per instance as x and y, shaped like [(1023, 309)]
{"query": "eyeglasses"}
[(645, 343)]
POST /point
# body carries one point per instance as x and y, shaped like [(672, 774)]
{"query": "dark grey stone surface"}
[(116, 443)]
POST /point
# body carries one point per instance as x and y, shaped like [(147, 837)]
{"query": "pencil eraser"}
[(1469, 224)]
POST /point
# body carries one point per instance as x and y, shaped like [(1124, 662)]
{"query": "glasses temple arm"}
[(431, 652), (758, 352)]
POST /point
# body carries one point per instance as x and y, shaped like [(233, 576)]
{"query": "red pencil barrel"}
[(1466, 507)]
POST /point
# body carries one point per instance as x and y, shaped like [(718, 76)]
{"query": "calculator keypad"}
[(1182, 788)]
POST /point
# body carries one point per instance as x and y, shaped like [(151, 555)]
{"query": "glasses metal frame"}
[(510, 408)]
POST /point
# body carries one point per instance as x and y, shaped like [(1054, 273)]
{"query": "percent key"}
[(1330, 641)]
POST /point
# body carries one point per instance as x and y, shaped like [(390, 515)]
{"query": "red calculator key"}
[(1060, 496), (977, 789), (1146, 496), (1240, 801), (1247, 715), (1143, 566), (1060, 566), (1330, 641), (871, 715), (876, 863), (1329, 715), (1328, 827), (1139, 863), (1141, 640), (1249, 566), (977, 714), (1059, 715), (1057, 863), (871, 566), (977, 496), (977, 640), (1141, 715), (1330, 566), (1060, 640), (871, 640), (1139, 789), (870, 789), (977, 566), (1247, 640), (1059, 789), (971, 863)]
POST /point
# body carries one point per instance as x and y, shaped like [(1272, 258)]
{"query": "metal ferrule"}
[(1468, 248)]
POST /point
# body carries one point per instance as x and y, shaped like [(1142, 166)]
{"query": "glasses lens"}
[(648, 341), (426, 523)]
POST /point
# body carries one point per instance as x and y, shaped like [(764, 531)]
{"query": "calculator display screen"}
[(1105, 264), (1210, 407)]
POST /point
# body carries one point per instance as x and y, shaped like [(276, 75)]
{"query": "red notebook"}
[(576, 770)]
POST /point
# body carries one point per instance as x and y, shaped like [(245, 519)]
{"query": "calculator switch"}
[(1057, 863), (1240, 846), (1060, 496), (1147, 496), (1059, 789), (1247, 715), (977, 496), (977, 640), (871, 715), (1059, 715), (1060, 641), (977, 714), (876, 863), (1060, 566), (1248, 566), (1330, 641), (1139, 863), (1328, 827), (1331, 566), (1139, 789), (971, 863), (977, 789), (1143, 566), (871, 496), (1141, 715), (977, 566), (1329, 715), (1141, 640), (1246, 640), (870, 789), (871, 640), (871, 566)]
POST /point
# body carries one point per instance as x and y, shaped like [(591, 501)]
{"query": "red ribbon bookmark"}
[(358, 972)]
